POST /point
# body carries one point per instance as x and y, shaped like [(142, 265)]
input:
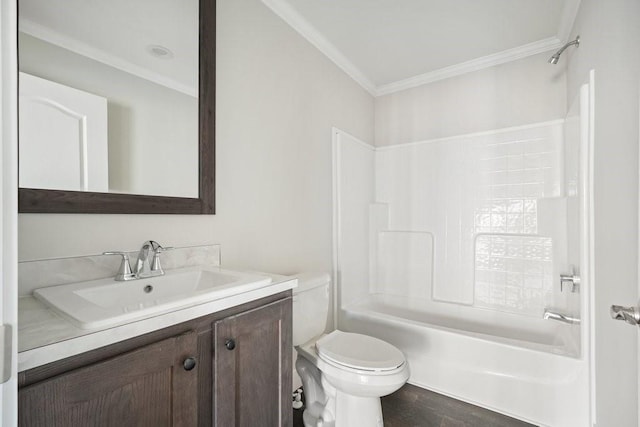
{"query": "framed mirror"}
[(117, 106)]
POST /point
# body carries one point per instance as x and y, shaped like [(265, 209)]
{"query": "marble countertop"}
[(44, 336)]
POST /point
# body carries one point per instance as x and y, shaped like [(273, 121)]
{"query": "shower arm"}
[(571, 43), (556, 56)]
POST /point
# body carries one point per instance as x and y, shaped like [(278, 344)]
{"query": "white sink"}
[(104, 303)]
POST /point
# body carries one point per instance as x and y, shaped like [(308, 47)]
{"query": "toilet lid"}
[(359, 351)]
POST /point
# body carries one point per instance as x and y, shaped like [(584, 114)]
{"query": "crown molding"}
[(313, 36), (65, 42), (473, 65)]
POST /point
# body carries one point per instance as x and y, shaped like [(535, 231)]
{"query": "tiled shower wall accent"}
[(488, 187), (514, 273), (51, 272)]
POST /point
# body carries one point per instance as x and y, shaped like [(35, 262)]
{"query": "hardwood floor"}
[(413, 406)]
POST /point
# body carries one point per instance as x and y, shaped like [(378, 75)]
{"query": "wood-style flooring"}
[(413, 406)]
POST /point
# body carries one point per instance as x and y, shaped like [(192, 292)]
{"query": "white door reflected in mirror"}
[(63, 137)]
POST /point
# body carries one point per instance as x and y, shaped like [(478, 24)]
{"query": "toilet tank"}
[(310, 306)]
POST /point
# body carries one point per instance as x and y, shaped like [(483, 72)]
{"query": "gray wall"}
[(512, 94)]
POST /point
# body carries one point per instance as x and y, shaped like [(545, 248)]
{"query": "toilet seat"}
[(359, 352)]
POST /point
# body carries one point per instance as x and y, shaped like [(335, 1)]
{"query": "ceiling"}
[(388, 44)]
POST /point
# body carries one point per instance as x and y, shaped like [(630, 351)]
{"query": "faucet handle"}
[(124, 272), (571, 279), (155, 263)]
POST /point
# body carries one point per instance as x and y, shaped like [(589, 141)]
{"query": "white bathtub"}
[(529, 369)]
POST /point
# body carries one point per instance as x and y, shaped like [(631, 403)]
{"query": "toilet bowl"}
[(343, 374)]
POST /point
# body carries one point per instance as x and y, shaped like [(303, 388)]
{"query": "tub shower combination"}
[(466, 253)]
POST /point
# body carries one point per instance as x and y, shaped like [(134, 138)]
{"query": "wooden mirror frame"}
[(31, 200)]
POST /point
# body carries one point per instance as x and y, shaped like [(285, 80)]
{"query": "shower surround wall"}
[(483, 210), (473, 228)]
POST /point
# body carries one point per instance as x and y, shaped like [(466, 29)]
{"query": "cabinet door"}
[(252, 375), (150, 386)]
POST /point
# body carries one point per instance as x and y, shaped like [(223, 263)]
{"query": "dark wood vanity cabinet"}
[(252, 375), (231, 368), (148, 386)]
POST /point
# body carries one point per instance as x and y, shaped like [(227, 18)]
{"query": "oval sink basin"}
[(104, 303)]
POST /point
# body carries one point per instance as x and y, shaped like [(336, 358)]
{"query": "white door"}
[(8, 215), (625, 307), (69, 125)]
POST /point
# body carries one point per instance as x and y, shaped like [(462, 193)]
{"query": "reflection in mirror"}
[(108, 96)]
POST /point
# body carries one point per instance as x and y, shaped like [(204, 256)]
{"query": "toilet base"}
[(312, 421), (358, 411), (350, 411), (335, 408)]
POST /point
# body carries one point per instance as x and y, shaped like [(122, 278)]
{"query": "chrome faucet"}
[(560, 317), (144, 267), (124, 272)]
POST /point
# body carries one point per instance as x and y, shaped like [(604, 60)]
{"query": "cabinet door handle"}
[(230, 344), (189, 363)]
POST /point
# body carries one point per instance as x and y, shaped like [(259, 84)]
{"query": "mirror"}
[(117, 106)]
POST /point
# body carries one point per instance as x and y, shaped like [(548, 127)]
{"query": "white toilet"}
[(343, 374)]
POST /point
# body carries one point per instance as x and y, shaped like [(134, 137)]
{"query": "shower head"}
[(556, 56)]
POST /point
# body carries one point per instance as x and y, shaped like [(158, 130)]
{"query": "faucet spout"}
[(560, 317), (143, 264)]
